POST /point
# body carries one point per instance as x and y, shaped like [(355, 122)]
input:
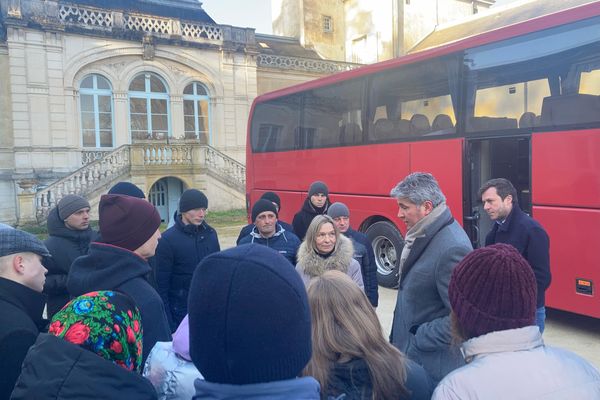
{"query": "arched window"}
[(148, 107), (95, 98), (196, 112)]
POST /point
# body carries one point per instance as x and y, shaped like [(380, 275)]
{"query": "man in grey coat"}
[(433, 245)]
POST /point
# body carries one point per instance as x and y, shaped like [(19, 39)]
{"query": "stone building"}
[(153, 92), (366, 31)]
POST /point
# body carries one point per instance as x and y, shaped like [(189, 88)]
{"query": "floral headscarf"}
[(104, 322)]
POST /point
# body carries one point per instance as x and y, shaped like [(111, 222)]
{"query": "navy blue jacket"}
[(179, 252), (367, 263), (248, 228), (65, 245), (283, 241), (531, 240), (107, 267)]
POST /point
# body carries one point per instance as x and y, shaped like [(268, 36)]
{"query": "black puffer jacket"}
[(65, 245), (108, 267), (55, 369), (304, 217)]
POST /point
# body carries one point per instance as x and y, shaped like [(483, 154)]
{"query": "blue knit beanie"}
[(249, 317), (128, 189)]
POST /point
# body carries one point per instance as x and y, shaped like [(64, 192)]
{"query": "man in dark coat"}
[(180, 250), (273, 198), (22, 277), (363, 252), (315, 204), (267, 231), (512, 226), (433, 245), (69, 237), (130, 234)]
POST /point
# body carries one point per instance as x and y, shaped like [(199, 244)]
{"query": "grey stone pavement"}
[(570, 331)]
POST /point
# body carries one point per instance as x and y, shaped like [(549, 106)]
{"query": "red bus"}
[(520, 102)]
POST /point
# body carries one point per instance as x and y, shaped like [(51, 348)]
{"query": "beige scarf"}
[(417, 231)]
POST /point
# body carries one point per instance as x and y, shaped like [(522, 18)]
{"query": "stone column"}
[(26, 201)]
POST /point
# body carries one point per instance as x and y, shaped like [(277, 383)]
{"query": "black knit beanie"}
[(273, 198), (261, 206), (249, 317), (318, 187), (192, 199), (493, 289), (128, 189)]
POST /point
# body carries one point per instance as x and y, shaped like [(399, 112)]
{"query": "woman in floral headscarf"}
[(93, 350)]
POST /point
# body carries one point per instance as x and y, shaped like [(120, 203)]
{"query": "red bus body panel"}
[(565, 171)]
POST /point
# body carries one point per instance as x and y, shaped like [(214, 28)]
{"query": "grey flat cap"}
[(14, 241)]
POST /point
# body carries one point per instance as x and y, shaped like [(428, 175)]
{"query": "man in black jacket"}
[(22, 277), (514, 227), (130, 234), (69, 237), (363, 252), (315, 204)]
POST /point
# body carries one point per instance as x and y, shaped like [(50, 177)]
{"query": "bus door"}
[(505, 157)]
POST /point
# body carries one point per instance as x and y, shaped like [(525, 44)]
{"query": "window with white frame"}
[(95, 104), (196, 106), (148, 107), (327, 23)]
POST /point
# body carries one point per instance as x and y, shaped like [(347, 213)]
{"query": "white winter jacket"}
[(515, 364)]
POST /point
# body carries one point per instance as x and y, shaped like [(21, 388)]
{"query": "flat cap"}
[(13, 241)]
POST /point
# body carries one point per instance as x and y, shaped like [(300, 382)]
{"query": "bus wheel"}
[(387, 245)]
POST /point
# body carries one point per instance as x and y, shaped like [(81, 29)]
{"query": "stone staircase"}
[(127, 161)]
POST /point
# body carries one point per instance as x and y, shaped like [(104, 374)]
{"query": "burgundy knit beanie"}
[(493, 289), (127, 221)]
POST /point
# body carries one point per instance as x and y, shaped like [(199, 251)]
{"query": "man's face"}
[(148, 249), (265, 223), (497, 208), (318, 200), (79, 220), (194, 217), (325, 240), (34, 273), (410, 213), (342, 223)]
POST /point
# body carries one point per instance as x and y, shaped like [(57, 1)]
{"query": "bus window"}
[(275, 125), (414, 100), (334, 114), (535, 80)]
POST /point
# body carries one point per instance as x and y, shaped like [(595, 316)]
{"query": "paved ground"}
[(571, 331)]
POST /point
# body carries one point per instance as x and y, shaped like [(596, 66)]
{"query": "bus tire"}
[(387, 243)]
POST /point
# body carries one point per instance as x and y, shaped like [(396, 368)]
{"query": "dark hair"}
[(503, 188)]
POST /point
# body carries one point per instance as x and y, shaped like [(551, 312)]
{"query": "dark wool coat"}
[(65, 245), (248, 228), (353, 380), (421, 327), (363, 253), (531, 240), (304, 217), (179, 252), (284, 242), (20, 322), (55, 369), (108, 267)]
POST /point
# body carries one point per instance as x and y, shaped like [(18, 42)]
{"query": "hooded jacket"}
[(179, 252), (515, 364), (65, 245), (304, 217), (310, 264), (108, 267), (306, 388), (55, 369), (284, 242), (20, 322)]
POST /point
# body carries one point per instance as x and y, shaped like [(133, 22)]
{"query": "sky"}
[(242, 13)]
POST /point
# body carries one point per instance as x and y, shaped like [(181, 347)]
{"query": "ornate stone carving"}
[(148, 45)]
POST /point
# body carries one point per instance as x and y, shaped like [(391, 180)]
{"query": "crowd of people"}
[(289, 313)]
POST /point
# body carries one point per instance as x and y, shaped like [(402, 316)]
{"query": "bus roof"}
[(454, 40)]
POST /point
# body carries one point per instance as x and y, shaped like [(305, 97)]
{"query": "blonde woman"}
[(324, 249), (350, 355)]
